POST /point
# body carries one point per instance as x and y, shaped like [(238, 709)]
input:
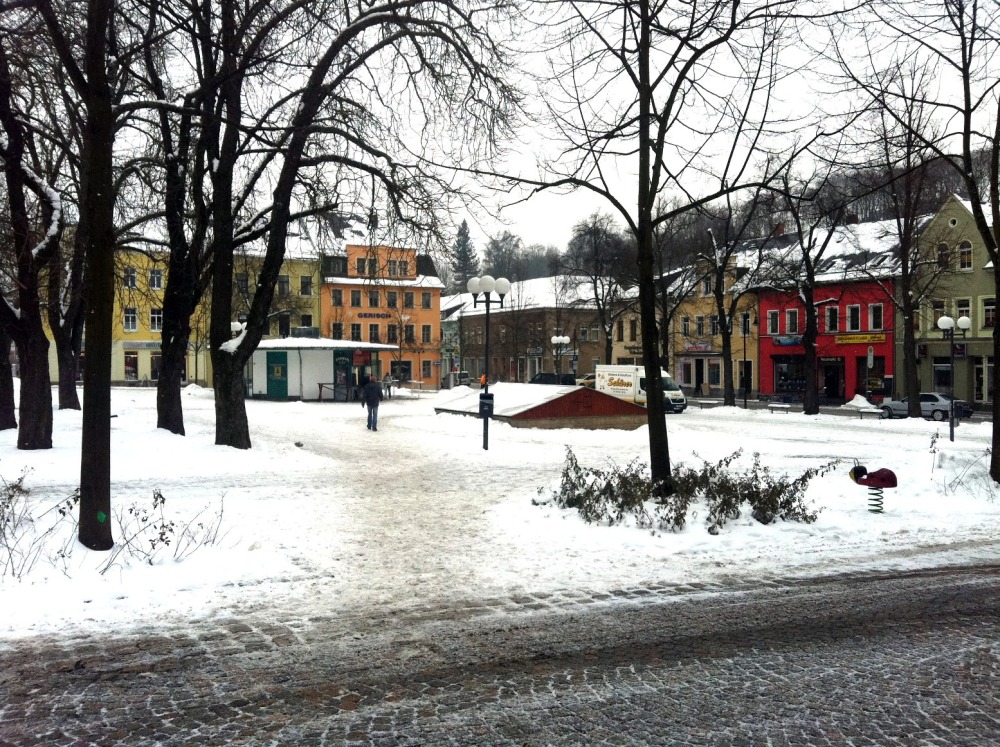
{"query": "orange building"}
[(387, 295)]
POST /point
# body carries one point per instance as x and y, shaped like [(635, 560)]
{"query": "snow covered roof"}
[(320, 343), (558, 291)]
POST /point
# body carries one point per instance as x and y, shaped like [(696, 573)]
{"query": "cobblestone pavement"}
[(868, 659)]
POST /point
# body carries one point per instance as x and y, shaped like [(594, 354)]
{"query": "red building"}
[(854, 347)]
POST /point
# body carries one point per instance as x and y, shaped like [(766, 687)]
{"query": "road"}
[(864, 659)]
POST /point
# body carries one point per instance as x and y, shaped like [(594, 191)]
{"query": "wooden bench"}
[(778, 407), (874, 411)]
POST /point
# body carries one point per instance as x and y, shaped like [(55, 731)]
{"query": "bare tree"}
[(682, 94), (957, 39)]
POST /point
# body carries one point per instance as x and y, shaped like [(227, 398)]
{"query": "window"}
[(989, 312), (129, 280), (875, 318), (390, 299), (392, 334), (373, 299), (404, 268), (425, 300), (706, 286), (621, 330), (336, 297), (365, 266), (393, 268), (699, 326), (854, 318), (772, 322), (633, 330), (131, 365), (745, 324), (685, 326), (832, 318), (356, 332), (242, 283), (713, 323), (373, 333), (408, 333), (425, 333), (937, 311), (131, 321), (156, 279), (356, 298), (306, 320), (337, 331), (408, 299), (792, 322), (156, 319), (943, 254), (305, 285), (582, 334), (963, 307), (965, 255), (594, 334), (425, 369), (284, 288), (337, 265)]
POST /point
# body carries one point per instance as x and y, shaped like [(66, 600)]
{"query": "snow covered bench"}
[(873, 411), (778, 407)]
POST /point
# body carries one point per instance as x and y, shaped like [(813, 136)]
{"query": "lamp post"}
[(486, 285), (949, 327), (558, 344)]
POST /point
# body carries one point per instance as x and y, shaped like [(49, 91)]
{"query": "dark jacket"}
[(371, 393)]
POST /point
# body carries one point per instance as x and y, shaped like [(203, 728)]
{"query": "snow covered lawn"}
[(326, 514)]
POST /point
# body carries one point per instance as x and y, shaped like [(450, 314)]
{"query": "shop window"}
[(131, 365), (714, 373)]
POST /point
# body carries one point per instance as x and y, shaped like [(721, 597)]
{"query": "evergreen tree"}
[(464, 261)]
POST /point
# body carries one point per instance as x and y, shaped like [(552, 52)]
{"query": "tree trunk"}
[(8, 418), (68, 357), (911, 380), (810, 398), (169, 411), (231, 425), (35, 429)]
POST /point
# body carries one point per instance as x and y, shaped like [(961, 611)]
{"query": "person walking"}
[(371, 395), (387, 383)]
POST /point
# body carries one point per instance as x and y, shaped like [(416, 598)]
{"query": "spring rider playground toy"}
[(876, 482)]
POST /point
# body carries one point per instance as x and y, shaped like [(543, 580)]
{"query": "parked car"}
[(546, 377), (586, 380), (932, 405)]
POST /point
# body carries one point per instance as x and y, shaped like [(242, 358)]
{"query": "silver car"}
[(932, 405)]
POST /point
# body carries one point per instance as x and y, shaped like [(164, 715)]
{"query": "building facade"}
[(386, 295)]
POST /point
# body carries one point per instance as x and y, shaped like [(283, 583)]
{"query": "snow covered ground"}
[(324, 513)]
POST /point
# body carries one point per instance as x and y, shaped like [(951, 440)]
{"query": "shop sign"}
[(788, 340), (697, 347), (860, 339)]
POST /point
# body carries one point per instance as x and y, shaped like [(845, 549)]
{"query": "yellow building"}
[(386, 295)]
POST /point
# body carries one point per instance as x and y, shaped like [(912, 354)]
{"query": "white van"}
[(629, 382)]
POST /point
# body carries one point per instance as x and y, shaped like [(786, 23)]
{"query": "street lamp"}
[(947, 325), (487, 285), (745, 326), (558, 344)]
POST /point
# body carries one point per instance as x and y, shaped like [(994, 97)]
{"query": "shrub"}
[(609, 495)]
